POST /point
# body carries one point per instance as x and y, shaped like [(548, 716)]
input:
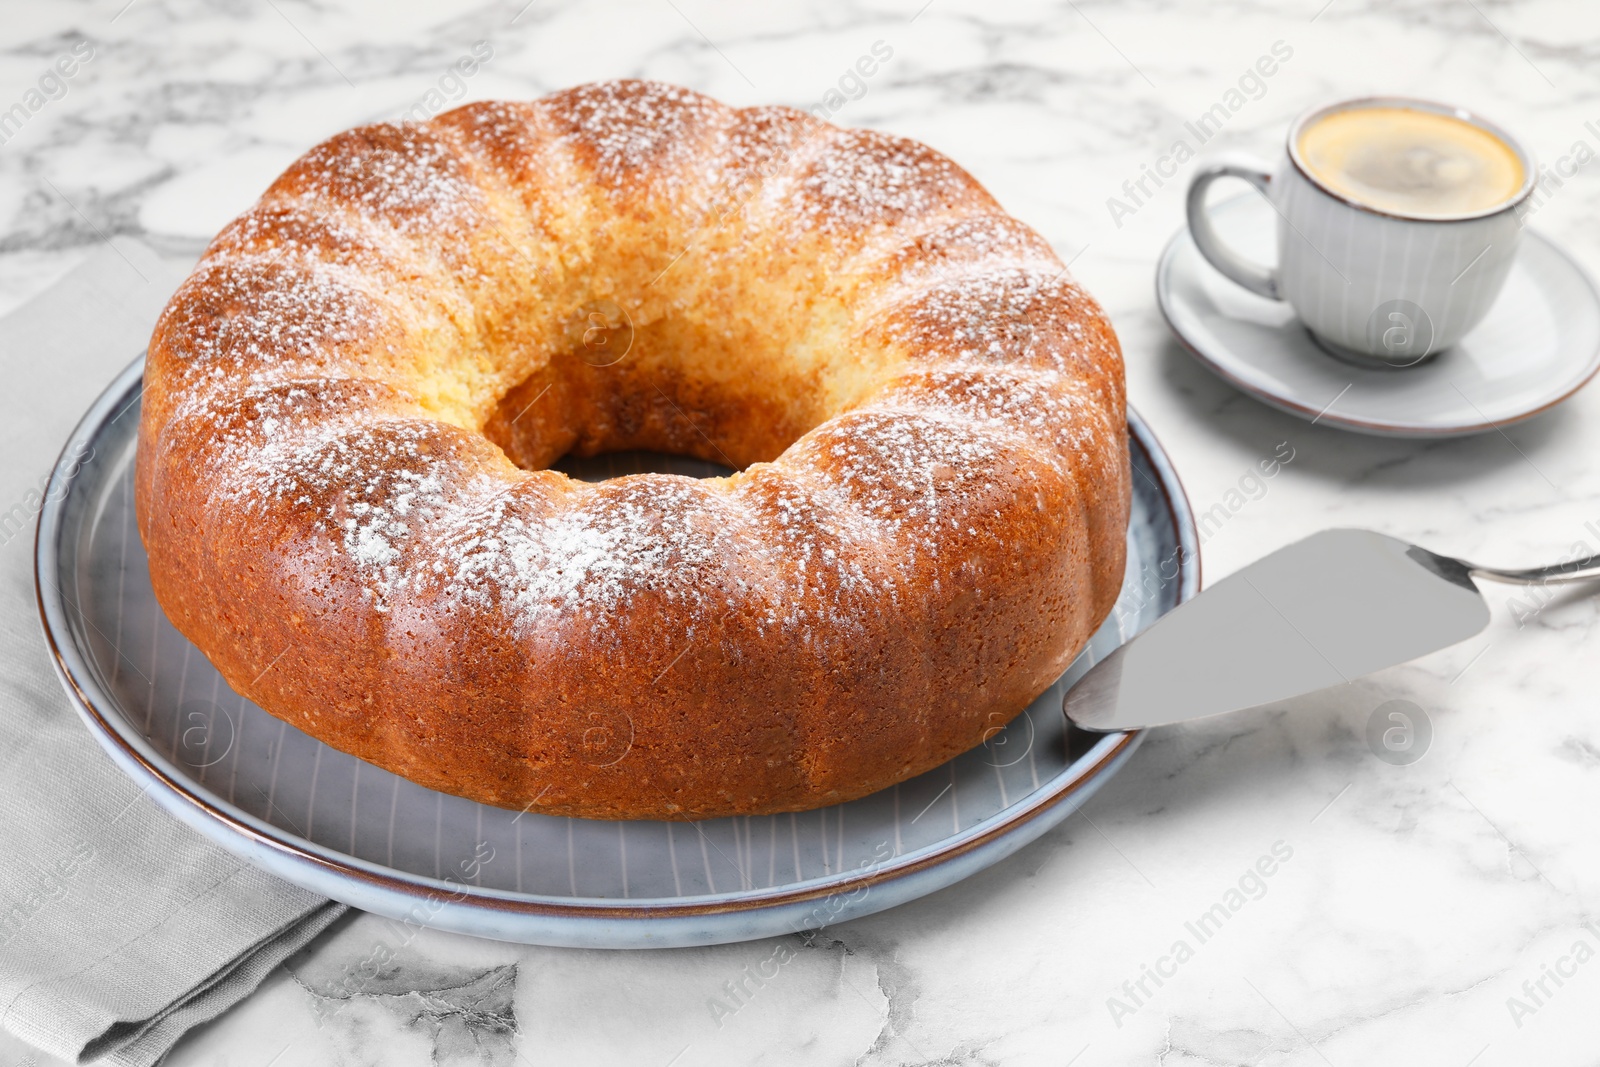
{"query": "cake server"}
[(1320, 612)]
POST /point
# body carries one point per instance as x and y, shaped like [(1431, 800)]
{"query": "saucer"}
[(1537, 346)]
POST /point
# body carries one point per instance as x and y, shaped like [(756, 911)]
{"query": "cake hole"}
[(610, 465), (619, 385), (716, 382)]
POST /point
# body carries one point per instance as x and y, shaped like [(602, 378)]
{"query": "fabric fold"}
[(120, 927)]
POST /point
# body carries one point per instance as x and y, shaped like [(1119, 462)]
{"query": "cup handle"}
[(1253, 276)]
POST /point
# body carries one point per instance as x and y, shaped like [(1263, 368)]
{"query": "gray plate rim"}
[(328, 871)]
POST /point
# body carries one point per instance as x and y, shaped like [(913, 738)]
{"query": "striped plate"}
[(317, 817)]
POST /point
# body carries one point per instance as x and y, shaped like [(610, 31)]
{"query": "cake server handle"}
[(1577, 570)]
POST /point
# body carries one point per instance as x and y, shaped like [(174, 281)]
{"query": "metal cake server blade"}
[(1320, 612)]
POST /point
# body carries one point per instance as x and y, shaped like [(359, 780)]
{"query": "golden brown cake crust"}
[(349, 404)]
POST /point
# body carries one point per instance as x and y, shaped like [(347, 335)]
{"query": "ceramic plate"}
[(346, 829), (1539, 343)]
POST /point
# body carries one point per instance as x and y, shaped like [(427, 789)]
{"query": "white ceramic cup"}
[(1374, 287)]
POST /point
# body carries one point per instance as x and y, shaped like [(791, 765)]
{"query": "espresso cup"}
[(1394, 242)]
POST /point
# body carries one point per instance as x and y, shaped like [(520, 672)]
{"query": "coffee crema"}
[(1406, 161)]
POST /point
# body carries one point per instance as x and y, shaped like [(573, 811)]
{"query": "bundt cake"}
[(350, 409)]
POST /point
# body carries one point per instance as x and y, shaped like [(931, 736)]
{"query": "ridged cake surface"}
[(350, 406)]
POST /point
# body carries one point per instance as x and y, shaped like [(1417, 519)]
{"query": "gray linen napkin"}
[(120, 928)]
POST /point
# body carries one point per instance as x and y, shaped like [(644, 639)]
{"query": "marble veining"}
[(465, 1015), (1425, 906)]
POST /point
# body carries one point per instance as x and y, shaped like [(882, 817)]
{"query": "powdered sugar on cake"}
[(868, 497)]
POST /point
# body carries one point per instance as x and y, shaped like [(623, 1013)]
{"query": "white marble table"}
[(1408, 904)]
